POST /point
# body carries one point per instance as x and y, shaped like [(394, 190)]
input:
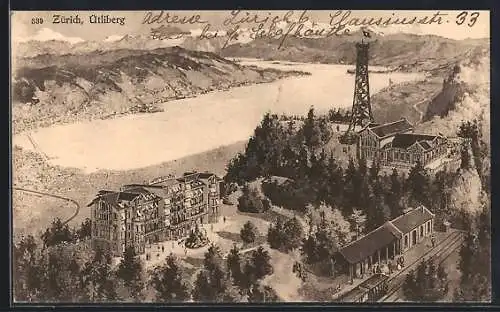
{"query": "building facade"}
[(395, 144), (386, 242), (164, 209)]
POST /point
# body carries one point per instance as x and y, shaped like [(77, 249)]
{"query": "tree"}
[(275, 234), (377, 211), (169, 283), (312, 131), (475, 260), (234, 265), (293, 234), (250, 200), (470, 130), (130, 271), (97, 278), (85, 230), (465, 161), (249, 233), (261, 263), (374, 170), (212, 283), (320, 247), (418, 184), (428, 284), (261, 293), (333, 221), (27, 274), (395, 194), (61, 275), (358, 221), (57, 233)]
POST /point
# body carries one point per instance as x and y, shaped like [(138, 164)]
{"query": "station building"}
[(386, 242)]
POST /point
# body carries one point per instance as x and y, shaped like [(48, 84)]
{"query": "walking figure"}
[(185, 252), (224, 219), (433, 240), (162, 248)]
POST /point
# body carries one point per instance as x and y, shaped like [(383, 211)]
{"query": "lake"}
[(195, 125)]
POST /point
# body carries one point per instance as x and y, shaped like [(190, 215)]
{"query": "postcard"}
[(250, 156)]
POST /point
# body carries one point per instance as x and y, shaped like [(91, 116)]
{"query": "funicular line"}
[(448, 242)]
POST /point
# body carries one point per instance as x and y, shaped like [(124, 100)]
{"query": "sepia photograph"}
[(332, 156)]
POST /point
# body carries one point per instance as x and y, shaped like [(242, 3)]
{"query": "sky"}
[(24, 26)]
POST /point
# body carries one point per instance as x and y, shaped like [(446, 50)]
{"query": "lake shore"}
[(200, 124)]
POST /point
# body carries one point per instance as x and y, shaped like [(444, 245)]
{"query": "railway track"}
[(38, 193), (445, 249)]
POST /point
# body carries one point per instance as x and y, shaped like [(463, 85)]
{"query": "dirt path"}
[(418, 110), (421, 113), (77, 210)]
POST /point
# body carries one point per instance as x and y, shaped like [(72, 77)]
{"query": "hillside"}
[(102, 83), (404, 52), (459, 91)]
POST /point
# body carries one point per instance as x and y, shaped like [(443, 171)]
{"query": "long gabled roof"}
[(391, 128), (385, 235), (368, 244)]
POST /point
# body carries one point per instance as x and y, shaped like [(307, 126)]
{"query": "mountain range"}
[(401, 51), (64, 88)]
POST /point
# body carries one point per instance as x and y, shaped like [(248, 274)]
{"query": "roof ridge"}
[(372, 231), (390, 223), (404, 214), (389, 123)]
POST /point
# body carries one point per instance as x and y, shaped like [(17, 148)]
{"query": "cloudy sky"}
[(23, 29)]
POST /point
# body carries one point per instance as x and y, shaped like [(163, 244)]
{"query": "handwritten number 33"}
[(462, 17)]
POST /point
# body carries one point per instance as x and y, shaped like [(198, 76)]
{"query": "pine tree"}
[(311, 131), (212, 283), (85, 230), (419, 184), (130, 271), (428, 284), (410, 285), (249, 233), (234, 265), (351, 186), (97, 278), (57, 233), (394, 195), (374, 170), (169, 283), (261, 262), (293, 234), (465, 161), (26, 276), (275, 236)]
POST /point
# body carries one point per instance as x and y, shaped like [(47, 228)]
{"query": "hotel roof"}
[(391, 128), (405, 140)]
